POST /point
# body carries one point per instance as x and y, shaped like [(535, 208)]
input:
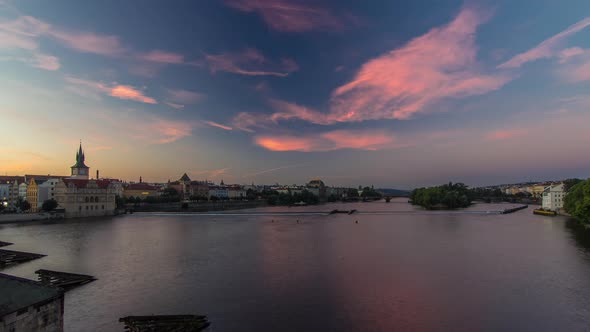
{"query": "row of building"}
[(551, 194), (78, 195)]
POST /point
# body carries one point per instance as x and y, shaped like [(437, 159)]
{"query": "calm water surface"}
[(404, 271)]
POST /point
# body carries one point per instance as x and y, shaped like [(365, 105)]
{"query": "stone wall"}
[(43, 317)]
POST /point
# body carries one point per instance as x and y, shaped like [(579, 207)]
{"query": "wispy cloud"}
[(328, 141), (20, 35), (210, 174), (113, 89), (217, 125), (162, 57), (505, 134), (250, 62), (179, 98), (289, 16), (438, 65), (23, 33), (88, 42), (131, 93), (548, 48), (271, 170)]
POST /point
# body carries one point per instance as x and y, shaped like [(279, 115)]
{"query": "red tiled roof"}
[(5, 179), (81, 183)]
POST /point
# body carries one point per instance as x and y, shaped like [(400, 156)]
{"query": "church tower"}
[(80, 170)]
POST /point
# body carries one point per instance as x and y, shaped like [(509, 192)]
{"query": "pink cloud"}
[(548, 48), (246, 121), (289, 16), (129, 92), (328, 141), (24, 31), (217, 125), (506, 134), (440, 64), (166, 131), (114, 90), (250, 62), (20, 34), (88, 42), (162, 57)]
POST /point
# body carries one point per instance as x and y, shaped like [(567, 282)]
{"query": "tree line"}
[(577, 201), (447, 196)]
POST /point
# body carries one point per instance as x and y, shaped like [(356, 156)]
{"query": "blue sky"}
[(388, 93)]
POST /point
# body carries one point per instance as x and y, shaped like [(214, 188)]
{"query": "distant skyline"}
[(391, 94)]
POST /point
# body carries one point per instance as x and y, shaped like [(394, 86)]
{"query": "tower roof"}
[(80, 159), (185, 178)]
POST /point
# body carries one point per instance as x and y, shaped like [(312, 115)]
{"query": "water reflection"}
[(422, 272)]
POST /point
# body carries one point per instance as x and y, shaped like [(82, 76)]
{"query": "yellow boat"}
[(544, 212)]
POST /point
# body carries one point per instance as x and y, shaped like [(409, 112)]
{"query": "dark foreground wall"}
[(200, 206)]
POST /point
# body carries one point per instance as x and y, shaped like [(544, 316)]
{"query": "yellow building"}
[(33, 195), (538, 190), (141, 190)]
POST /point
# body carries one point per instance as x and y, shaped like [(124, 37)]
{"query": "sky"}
[(387, 93)]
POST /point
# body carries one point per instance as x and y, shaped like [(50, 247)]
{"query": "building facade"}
[(26, 305), (141, 190), (78, 196), (33, 195), (86, 198), (553, 197)]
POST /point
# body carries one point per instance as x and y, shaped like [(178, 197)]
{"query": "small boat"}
[(301, 203), (544, 212)]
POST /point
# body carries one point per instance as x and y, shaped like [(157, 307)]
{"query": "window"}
[(91, 207), (79, 208), (86, 199), (86, 207), (103, 207)]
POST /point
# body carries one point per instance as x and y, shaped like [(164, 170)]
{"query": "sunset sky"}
[(391, 93)]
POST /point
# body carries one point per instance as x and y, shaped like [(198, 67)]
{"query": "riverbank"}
[(199, 206), (22, 217)]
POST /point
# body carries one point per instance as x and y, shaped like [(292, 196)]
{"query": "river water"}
[(262, 270)]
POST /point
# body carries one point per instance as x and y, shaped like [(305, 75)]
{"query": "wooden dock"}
[(507, 211), (165, 323), (63, 280), (4, 244), (342, 211), (10, 257)]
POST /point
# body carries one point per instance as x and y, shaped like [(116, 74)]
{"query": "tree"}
[(25, 205), (119, 202), (447, 196), (570, 183), (577, 201), (49, 205)]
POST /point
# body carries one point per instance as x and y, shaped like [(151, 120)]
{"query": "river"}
[(397, 269)]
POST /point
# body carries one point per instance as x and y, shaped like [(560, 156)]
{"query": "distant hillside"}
[(394, 192)]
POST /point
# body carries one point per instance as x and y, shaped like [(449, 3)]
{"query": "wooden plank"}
[(165, 323), (64, 280), (10, 257)]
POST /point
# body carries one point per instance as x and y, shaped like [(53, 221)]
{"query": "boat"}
[(544, 212)]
